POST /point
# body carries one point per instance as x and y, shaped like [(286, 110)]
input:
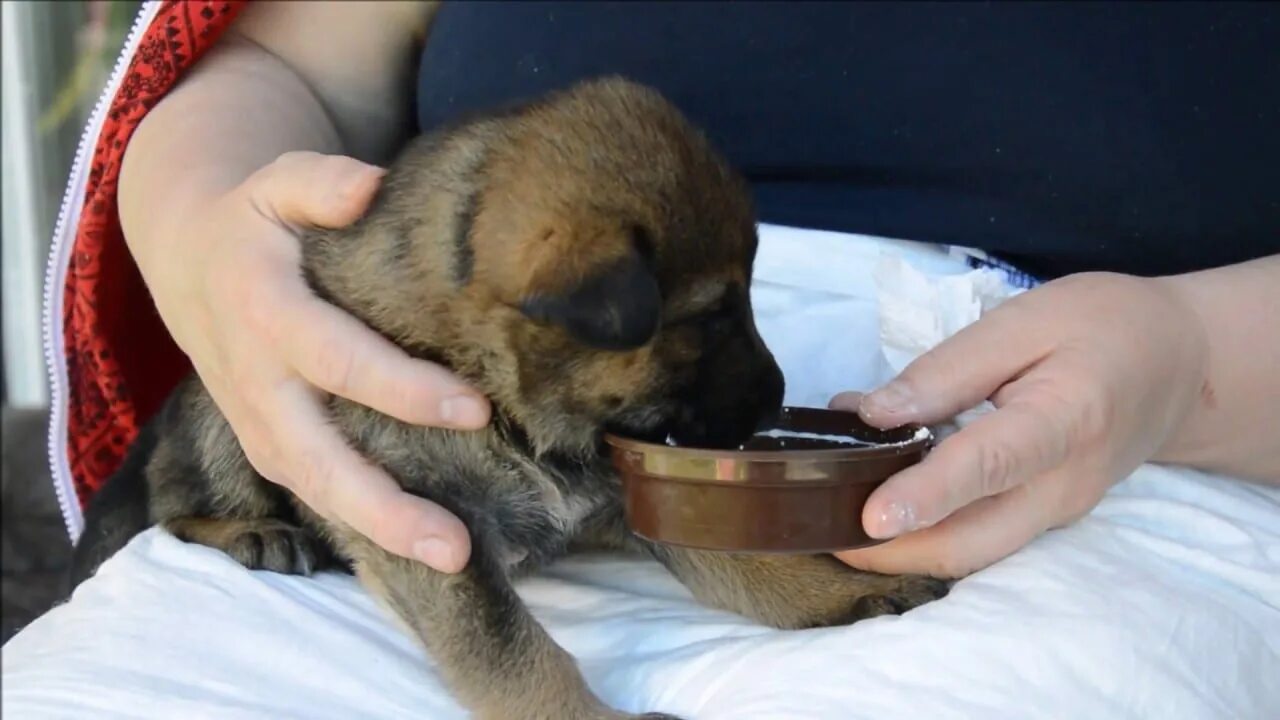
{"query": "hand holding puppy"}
[(269, 351), (1091, 375)]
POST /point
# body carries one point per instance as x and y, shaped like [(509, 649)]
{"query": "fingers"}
[(309, 189), (330, 348), (283, 431), (335, 481), (340, 355), (848, 401), (969, 540), (994, 454), (962, 371), (279, 337)]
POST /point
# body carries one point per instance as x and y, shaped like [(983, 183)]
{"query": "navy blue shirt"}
[(1140, 138)]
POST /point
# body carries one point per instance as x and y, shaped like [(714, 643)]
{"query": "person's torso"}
[(1131, 137)]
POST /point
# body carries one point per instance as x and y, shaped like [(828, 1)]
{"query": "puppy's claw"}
[(910, 592), (256, 544), (283, 549)]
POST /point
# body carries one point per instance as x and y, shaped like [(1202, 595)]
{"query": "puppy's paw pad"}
[(278, 547)]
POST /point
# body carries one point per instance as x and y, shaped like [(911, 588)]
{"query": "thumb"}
[(301, 189)]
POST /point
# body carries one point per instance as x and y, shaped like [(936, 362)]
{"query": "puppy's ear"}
[(617, 307)]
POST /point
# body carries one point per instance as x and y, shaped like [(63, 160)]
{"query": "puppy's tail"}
[(119, 511)]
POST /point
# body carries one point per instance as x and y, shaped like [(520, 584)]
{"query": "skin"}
[(1093, 375), (290, 108)]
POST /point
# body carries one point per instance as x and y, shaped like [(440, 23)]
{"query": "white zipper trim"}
[(56, 275)]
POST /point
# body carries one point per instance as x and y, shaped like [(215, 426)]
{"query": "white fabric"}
[(1163, 603)]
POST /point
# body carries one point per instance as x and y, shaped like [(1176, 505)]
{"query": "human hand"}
[(268, 350), (1090, 375)]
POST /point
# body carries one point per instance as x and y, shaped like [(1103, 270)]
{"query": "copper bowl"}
[(797, 488)]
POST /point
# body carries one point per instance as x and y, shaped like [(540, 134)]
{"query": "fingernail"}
[(896, 518), (851, 401), (434, 552), (894, 398), (462, 411)]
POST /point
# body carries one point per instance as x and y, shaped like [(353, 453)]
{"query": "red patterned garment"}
[(111, 360)]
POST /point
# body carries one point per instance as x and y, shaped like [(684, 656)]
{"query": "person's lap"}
[(1165, 601)]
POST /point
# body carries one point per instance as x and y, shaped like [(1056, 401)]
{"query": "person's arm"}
[(328, 77), (1235, 428), (250, 146)]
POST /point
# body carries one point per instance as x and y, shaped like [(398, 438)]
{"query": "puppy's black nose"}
[(772, 389)]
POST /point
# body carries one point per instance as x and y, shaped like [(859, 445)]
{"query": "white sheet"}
[(1163, 603)]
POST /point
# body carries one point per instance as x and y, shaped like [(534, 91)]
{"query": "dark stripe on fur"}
[(118, 511)]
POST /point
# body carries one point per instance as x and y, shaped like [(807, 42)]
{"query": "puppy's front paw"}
[(905, 593), (257, 544), (277, 547)]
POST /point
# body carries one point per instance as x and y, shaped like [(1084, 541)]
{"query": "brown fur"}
[(585, 262)]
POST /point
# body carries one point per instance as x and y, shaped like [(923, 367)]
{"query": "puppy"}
[(585, 261)]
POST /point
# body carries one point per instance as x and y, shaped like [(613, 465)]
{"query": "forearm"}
[(1234, 428), (328, 77), (238, 110)]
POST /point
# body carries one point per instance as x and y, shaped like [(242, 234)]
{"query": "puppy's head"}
[(588, 261)]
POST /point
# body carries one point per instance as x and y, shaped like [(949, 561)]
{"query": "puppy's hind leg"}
[(495, 657), (257, 543), (795, 591), (203, 490), (236, 512)]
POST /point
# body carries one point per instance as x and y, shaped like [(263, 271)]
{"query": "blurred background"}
[(57, 57)]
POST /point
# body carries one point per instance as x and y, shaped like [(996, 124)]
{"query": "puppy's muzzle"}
[(738, 391)]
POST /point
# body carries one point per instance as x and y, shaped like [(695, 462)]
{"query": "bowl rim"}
[(922, 439)]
